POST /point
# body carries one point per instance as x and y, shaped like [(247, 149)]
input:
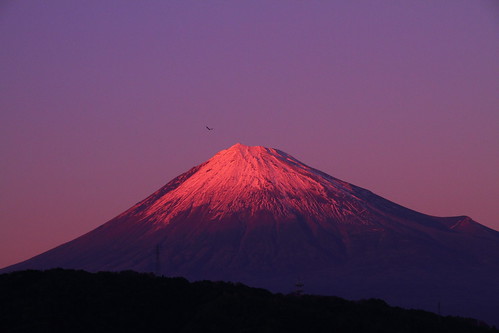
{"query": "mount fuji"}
[(259, 216)]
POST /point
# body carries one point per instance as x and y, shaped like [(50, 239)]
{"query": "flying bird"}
[(209, 129)]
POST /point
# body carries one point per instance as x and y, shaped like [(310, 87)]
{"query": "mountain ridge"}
[(259, 216)]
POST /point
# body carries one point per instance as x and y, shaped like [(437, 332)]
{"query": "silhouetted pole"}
[(439, 312), (158, 263), (299, 288)]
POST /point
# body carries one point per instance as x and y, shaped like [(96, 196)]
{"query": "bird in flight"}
[(209, 129)]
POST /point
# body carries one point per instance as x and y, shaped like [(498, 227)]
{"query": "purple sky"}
[(103, 102)]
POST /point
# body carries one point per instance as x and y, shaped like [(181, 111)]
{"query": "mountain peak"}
[(258, 215), (260, 157), (239, 146), (244, 150), (247, 180)]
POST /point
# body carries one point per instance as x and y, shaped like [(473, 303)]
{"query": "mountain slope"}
[(259, 216)]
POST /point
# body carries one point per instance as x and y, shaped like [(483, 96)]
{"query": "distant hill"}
[(60, 300)]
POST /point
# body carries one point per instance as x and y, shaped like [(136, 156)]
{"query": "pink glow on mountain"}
[(245, 180)]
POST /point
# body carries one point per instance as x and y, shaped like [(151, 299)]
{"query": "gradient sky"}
[(103, 102)]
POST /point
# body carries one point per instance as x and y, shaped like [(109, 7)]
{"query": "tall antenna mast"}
[(158, 263), (299, 288)]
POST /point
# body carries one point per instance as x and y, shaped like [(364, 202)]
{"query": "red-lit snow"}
[(250, 179)]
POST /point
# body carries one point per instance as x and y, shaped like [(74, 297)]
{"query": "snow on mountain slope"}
[(251, 179)]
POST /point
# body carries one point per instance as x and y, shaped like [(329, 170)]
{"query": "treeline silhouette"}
[(60, 300)]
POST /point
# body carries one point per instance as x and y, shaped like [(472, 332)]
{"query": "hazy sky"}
[(103, 102)]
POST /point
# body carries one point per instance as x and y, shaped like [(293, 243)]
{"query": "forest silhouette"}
[(60, 300)]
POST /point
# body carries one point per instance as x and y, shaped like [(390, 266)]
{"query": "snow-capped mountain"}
[(259, 216)]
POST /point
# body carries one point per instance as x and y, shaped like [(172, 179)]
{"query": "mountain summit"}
[(250, 181), (259, 216)]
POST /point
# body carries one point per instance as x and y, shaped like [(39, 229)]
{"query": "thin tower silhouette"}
[(158, 262)]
